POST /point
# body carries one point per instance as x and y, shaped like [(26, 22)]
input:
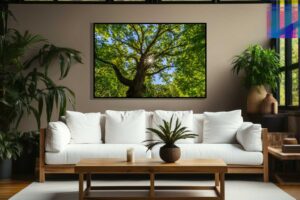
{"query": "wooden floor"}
[(10, 187), (292, 190)]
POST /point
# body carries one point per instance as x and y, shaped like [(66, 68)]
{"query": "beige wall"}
[(230, 29)]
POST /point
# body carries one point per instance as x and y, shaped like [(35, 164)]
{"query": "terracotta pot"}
[(269, 105), (169, 154), (255, 97)]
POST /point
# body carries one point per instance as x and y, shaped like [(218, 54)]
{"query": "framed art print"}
[(149, 60)]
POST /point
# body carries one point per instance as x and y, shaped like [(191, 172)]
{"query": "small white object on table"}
[(130, 155)]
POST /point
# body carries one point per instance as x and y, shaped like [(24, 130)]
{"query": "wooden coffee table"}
[(116, 166)]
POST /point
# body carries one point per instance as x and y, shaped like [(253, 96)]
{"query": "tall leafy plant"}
[(26, 87), (261, 66), (10, 147)]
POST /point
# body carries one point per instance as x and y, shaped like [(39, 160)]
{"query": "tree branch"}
[(158, 71), (114, 37), (167, 50), (139, 37), (143, 38), (159, 33), (118, 73), (132, 56)]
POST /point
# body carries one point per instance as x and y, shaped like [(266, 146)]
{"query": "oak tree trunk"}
[(137, 88)]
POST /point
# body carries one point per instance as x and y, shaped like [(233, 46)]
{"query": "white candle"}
[(130, 155)]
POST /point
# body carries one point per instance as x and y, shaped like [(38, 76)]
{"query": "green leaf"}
[(261, 66), (167, 134)]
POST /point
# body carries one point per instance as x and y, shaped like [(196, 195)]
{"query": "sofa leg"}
[(266, 177), (42, 175)]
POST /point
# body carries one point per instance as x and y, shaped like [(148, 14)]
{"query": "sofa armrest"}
[(58, 136), (265, 139)]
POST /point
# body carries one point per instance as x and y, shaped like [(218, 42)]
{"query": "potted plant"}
[(10, 149), (168, 134), (26, 161), (26, 88), (261, 68)]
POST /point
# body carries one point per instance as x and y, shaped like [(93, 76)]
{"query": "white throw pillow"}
[(198, 127), (57, 136), (185, 117), (125, 127), (249, 136), (221, 127), (84, 127)]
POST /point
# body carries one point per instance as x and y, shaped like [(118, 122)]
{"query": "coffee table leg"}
[(152, 178), (222, 186), (80, 186), (88, 182), (217, 179)]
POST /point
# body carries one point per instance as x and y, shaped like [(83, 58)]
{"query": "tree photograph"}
[(150, 60)]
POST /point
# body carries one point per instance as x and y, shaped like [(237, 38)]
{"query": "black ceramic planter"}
[(169, 154), (25, 164), (5, 168)]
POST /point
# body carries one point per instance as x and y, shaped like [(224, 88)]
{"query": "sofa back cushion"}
[(198, 121), (249, 136), (84, 127), (221, 127), (125, 127), (197, 125), (57, 136), (185, 117)]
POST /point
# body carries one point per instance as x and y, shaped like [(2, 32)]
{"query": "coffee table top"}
[(150, 165)]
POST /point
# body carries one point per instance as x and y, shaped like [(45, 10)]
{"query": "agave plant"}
[(168, 135)]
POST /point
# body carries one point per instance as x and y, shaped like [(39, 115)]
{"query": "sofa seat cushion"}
[(233, 154), (74, 152)]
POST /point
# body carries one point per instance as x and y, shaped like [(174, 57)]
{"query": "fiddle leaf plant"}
[(168, 135)]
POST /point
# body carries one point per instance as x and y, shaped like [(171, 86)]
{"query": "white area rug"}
[(234, 190)]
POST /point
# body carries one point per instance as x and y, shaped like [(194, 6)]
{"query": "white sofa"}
[(238, 159)]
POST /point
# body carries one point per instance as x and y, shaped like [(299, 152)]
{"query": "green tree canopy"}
[(150, 60)]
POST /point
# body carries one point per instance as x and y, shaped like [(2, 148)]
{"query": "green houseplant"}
[(25, 163), (26, 88), (261, 68), (168, 134), (10, 148)]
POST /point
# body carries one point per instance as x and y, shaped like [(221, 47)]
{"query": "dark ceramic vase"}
[(5, 168), (169, 154)]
